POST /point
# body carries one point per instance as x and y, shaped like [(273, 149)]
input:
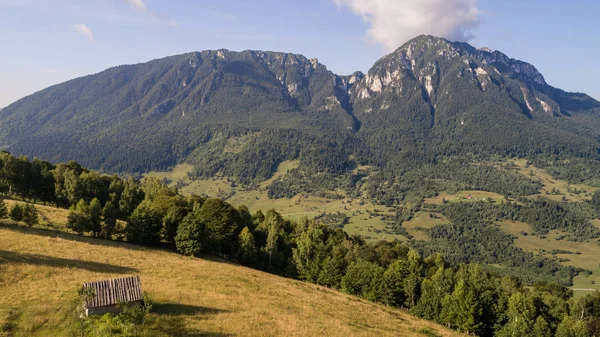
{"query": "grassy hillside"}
[(41, 270)]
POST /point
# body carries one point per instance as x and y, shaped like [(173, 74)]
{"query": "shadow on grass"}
[(171, 320), (43, 260), (73, 237), (54, 233), (183, 309)]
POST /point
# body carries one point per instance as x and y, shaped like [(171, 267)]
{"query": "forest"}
[(462, 295)]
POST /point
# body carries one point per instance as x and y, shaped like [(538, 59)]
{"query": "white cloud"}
[(140, 6), (84, 31), (393, 22)]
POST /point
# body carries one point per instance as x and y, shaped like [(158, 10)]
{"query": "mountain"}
[(428, 100)]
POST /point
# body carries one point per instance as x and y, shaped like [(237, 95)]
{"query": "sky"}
[(45, 42)]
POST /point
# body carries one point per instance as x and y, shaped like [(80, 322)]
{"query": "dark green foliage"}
[(222, 220), (109, 223), (362, 278), (17, 212), (30, 215), (192, 238), (144, 225), (26, 213), (80, 220)]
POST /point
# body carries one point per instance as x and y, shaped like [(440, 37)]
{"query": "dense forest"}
[(463, 296)]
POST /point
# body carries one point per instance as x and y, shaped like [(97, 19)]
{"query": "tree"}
[(246, 250), (131, 197), (191, 238), (572, 327), (393, 283), (3, 209), (109, 223), (144, 225), (521, 313), (30, 215), (412, 281), (310, 251), (16, 213), (171, 222), (363, 279), (95, 217), (272, 225), (246, 219), (541, 328), (222, 221), (79, 218), (462, 309), (334, 267)]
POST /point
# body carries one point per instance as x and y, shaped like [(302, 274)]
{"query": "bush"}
[(16, 213), (30, 215)]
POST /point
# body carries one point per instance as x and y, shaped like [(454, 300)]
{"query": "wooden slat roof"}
[(114, 291)]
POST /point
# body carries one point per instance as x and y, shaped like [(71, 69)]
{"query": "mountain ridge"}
[(416, 98)]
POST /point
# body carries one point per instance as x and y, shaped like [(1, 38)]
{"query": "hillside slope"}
[(40, 272)]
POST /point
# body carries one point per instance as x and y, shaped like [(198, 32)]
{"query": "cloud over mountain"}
[(393, 22)]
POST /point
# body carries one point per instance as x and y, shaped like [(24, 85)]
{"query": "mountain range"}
[(242, 113)]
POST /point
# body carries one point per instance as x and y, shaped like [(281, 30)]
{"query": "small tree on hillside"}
[(79, 218), (30, 215), (3, 209), (16, 213)]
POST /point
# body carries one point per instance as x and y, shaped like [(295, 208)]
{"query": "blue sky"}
[(45, 42)]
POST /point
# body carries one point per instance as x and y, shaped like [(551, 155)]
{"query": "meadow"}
[(41, 270)]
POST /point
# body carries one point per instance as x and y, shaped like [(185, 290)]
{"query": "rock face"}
[(429, 90)]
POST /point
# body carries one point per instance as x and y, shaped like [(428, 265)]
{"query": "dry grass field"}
[(49, 216), (550, 183), (425, 221), (40, 271)]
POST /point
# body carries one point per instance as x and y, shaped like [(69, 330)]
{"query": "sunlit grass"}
[(40, 271)]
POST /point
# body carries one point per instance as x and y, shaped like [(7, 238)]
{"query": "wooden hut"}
[(108, 296)]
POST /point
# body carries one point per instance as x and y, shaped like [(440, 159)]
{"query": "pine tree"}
[(462, 309), (16, 213), (393, 283), (30, 215), (334, 268)]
